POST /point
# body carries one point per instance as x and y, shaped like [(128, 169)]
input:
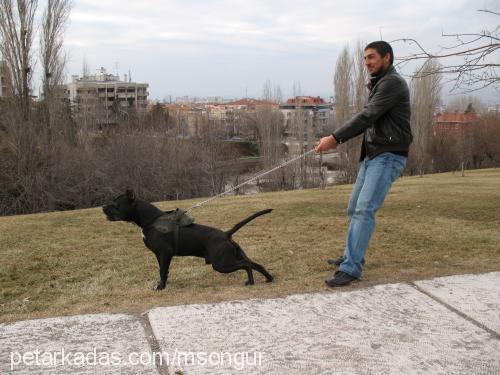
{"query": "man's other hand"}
[(325, 144)]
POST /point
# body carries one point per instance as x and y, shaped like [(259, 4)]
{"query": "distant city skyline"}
[(230, 48)]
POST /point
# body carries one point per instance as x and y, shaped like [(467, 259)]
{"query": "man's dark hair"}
[(383, 48)]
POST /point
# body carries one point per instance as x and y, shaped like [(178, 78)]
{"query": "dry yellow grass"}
[(76, 262)]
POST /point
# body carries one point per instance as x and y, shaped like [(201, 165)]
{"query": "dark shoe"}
[(336, 261), (340, 278)]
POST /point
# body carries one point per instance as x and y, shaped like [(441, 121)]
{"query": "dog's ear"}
[(130, 195)]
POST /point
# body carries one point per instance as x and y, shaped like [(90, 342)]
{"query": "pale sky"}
[(230, 48)]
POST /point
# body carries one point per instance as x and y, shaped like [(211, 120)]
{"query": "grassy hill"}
[(76, 262)]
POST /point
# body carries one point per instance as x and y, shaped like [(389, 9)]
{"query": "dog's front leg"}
[(164, 263)]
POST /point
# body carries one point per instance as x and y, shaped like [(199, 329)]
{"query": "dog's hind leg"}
[(250, 280), (238, 265), (245, 265), (263, 271), (254, 265)]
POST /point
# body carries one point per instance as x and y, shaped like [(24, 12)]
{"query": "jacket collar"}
[(375, 79)]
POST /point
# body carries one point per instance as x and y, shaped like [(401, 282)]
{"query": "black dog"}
[(214, 245)]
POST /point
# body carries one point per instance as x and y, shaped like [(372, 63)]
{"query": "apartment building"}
[(191, 119), (108, 94), (315, 108)]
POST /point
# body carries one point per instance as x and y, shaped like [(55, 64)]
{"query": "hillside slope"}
[(77, 262)]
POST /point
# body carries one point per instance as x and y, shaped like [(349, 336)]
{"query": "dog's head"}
[(122, 208)]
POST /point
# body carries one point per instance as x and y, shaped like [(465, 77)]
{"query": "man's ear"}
[(130, 195), (387, 58)]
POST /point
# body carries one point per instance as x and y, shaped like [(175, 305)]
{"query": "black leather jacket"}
[(385, 119)]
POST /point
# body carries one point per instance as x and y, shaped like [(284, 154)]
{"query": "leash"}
[(249, 180)]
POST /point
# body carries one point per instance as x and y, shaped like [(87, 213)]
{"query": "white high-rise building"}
[(108, 92)]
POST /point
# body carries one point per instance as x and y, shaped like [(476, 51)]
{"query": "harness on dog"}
[(171, 221)]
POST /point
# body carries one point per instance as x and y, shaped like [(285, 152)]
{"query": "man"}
[(385, 125)]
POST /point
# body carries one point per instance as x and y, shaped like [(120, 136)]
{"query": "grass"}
[(76, 262)]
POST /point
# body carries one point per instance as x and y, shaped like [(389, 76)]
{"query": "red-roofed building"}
[(306, 101), (250, 104), (455, 123)]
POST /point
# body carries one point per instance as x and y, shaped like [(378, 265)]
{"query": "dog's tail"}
[(231, 231)]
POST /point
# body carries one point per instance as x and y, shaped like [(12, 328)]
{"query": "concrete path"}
[(448, 325)]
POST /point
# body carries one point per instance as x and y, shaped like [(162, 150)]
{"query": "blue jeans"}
[(373, 182)]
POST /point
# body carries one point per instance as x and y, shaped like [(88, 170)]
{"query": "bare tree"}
[(360, 77), (476, 55), (16, 40), (34, 138), (53, 108), (443, 150), (486, 138), (360, 96), (300, 122), (269, 124), (342, 87), (278, 96), (271, 93), (54, 20), (85, 67), (462, 103), (297, 90), (311, 171), (347, 88), (267, 91), (425, 97)]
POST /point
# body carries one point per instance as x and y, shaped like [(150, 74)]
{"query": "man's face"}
[(374, 62)]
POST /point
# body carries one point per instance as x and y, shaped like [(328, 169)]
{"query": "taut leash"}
[(249, 180)]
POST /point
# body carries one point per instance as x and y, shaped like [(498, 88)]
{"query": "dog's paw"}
[(159, 287), (270, 280), (248, 282)]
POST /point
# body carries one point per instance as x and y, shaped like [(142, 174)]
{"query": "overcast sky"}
[(231, 47)]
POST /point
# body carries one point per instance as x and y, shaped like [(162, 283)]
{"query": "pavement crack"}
[(161, 367), (455, 310)]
